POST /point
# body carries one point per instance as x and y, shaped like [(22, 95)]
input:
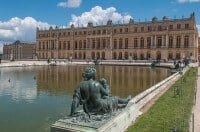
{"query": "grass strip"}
[(172, 110)]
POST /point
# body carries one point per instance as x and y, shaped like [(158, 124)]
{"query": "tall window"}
[(80, 44), (186, 41), (142, 29), (178, 42), (126, 43), (135, 43), (84, 44), (170, 27), (115, 43), (59, 45), (104, 43), (120, 43), (98, 43), (149, 42), (170, 55), (159, 44), (186, 26), (142, 42), (178, 26), (68, 45), (93, 43), (76, 45), (170, 42)]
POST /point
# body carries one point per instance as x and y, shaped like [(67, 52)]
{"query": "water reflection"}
[(122, 80)]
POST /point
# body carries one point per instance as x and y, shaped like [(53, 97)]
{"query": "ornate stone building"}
[(19, 50), (164, 39)]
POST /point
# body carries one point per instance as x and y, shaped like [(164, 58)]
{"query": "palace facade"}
[(164, 39), (19, 51)]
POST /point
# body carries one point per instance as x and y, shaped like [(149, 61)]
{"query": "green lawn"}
[(172, 109)]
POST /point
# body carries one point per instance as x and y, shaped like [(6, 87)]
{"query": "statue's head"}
[(102, 81), (90, 72)]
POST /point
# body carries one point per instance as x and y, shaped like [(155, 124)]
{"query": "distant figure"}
[(34, 77), (9, 80), (0, 60)]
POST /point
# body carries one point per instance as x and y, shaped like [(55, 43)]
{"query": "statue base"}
[(110, 122)]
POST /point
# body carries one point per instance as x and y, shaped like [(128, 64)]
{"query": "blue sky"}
[(19, 18)]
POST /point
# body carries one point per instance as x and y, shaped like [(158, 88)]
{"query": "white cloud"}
[(99, 16), (19, 29), (184, 1), (70, 4)]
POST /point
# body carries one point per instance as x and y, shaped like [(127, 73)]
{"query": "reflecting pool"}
[(32, 98)]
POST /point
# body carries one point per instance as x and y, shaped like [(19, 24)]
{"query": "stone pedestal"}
[(110, 122)]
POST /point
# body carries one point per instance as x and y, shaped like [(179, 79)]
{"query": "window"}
[(68, 45), (120, 43), (98, 43), (126, 43), (84, 44), (120, 30), (126, 30), (59, 45), (142, 29), (159, 44), (80, 44), (76, 45), (149, 42), (178, 42), (178, 26), (115, 43), (135, 42), (93, 43), (170, 42), (115, 30), (142, 42), (186, 26), (186, 41), (104, 31), (149, 28), (135, 29), (170, 27), (170, 55), (159, 28), (104, 43)]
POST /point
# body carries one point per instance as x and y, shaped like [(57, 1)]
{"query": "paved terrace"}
[(6, 63)]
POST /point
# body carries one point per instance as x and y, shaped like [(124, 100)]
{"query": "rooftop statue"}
[(95, 96)]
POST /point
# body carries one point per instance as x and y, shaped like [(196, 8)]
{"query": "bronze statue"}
[(95, 96)]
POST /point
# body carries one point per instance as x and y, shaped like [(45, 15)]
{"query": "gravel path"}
[(196, 109)]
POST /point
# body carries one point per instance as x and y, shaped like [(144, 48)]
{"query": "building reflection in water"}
[(123, 80)]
